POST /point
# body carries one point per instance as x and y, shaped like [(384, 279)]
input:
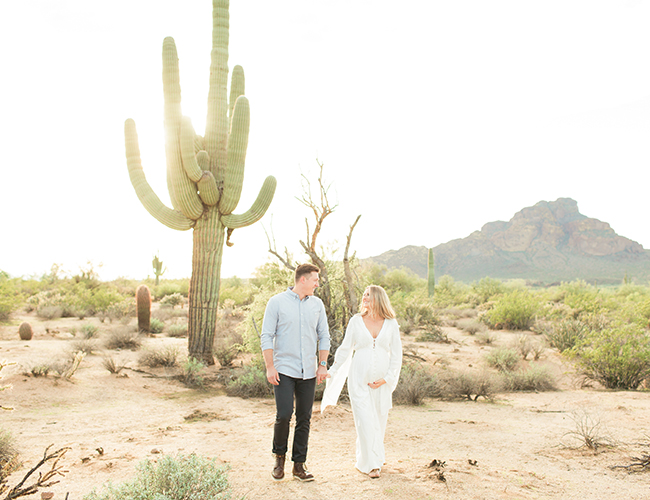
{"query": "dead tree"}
[(321, 209)]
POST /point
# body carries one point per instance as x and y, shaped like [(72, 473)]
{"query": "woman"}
[(370, 357)]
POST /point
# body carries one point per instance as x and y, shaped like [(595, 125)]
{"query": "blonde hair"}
[(379, 303)]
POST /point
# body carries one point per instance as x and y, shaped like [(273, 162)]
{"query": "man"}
[(294, 330)]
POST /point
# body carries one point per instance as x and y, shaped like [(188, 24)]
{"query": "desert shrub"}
[(171, 477), (40, 370), (565, 334), (502, 358), (89, 330), (469, 385), (170, 287), (581, 297), (9, 456), (618, 358), (459, 313), (224, 352), (534, 378), (123, 338), (523, 345), (172, 300), (10, 298), (486, 338), (589, 431), (156, 326), (415, 384), (177, 330), (433, 334), (49, 312), (66, 368), (419, 313), (237, 290), (87, 346), (252, 383), (163, 356), (450, 293), (470, 326), (121, 311), (113, 366), (487, 288), (515, 310), (191, 370)]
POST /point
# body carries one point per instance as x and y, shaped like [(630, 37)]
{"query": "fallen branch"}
[(44, 480)]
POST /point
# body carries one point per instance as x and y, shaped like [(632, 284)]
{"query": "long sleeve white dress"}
[(363, 359)]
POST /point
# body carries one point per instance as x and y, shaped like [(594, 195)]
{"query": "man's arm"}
[(321, 373), (269, 327), (272, 374)]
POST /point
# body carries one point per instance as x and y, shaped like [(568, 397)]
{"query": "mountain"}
[(548, 242)]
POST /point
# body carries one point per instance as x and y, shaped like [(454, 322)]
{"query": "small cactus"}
[(431, 276), (143, 307), (25, 331)]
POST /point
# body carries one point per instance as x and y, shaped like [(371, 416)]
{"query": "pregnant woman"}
[(370, 357)]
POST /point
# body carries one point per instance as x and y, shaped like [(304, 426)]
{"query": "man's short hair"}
[(305, 270)]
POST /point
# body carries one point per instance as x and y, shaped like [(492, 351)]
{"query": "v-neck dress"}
[(363, 359)]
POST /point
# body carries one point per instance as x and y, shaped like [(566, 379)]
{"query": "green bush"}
[(179, 477), (89, 330), (618, 358), (156, 326), (515, 310), (450, 293), (173, 300), (488, 288), (502, 358), (251, 384), (191, 373), (177, 330), (535, 378), (10, 299), (565, 334)]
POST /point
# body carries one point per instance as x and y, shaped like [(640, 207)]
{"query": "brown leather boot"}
[(278, 469), (301, 472)]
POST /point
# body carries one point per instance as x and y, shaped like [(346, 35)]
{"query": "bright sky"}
[(431, 117)]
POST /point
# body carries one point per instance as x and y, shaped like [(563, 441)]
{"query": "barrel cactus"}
[(143, 308), (431, 276), (204, 176), (25, 331)]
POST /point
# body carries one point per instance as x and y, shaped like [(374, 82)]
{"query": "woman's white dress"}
[(363, 359)]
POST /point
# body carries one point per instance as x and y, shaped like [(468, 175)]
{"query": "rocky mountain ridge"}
[(548, 242)]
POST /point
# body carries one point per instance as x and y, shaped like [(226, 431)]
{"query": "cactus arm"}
[(257, 210), (182, 190), (146, 195), (208, 189), (216, 124), (237, 144), (237, 87), (190, 164)]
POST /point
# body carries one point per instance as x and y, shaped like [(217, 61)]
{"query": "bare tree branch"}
[(286, 260), (348, 284), (43, 480)]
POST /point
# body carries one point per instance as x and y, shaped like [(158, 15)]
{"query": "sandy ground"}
[(517, 442)]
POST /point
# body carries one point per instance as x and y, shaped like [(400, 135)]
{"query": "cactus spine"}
[(158, 268), (25, 331), (143, 308), (431, 277), (204, 176)]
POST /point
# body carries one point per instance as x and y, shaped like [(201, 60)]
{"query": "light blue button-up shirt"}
[(296, 330)]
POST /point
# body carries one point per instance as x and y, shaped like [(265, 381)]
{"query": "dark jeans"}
[(304, 391)]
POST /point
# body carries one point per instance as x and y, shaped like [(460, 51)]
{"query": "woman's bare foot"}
[(374, 473)]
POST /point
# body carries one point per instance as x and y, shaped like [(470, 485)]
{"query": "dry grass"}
[(164, 356)]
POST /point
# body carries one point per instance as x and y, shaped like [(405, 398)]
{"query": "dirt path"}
[(515, 441)]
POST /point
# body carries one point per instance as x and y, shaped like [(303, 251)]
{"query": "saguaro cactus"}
[(431, 276), (158, 268), (204, 176)]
